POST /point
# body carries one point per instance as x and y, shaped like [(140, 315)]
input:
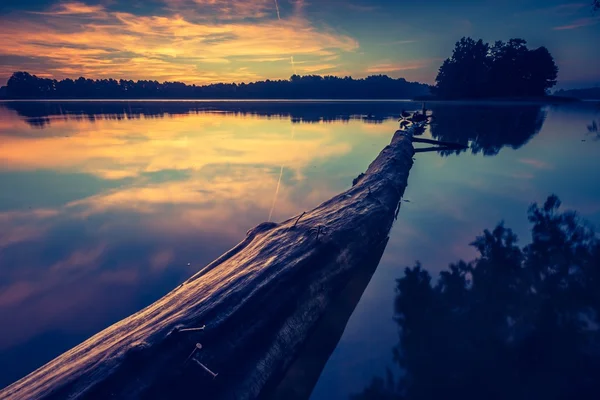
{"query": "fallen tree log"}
[(262, 304)]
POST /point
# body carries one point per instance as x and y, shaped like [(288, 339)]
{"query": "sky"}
[(207, 41)]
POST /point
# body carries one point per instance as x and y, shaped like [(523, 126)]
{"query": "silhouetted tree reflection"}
[(516, 323), (41, 114), (593, 130), (488, 128)]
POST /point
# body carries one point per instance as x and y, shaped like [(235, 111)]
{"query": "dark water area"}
[(106, 206)]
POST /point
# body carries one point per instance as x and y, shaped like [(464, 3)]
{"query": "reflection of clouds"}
[(16, 293), (94, 257), (20, 226), (102, 148), (80, 259), (538, 164), (196, 184), (521, 175), (378, 129)]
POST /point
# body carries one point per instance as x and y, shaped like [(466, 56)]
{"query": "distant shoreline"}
[(428, 99), (494, 100), (307, 100)]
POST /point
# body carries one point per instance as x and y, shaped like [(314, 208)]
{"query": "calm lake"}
[(107, 206)]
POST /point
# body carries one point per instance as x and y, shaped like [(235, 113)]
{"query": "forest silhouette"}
[(23, 85), (506, 69), (516, 323)]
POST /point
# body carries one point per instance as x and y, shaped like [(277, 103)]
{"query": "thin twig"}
[(298, 219)]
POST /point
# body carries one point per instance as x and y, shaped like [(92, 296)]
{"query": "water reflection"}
[(487, 128), (102, 216), (41, 114), (514, 323), (593, 130), (451, 199), (103, 210)]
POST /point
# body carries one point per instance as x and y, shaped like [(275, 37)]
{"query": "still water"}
[(107, 206)]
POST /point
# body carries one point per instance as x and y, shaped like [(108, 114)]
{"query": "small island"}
[(504, 71)]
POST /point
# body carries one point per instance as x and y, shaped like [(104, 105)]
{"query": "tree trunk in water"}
[(266, 305)]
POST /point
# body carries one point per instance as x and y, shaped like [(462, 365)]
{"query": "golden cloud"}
[(398, 66), (76, 39)]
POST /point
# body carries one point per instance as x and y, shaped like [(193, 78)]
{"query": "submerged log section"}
[(260, 303)]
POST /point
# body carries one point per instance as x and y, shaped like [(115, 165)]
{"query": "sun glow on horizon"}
[(241, 43)]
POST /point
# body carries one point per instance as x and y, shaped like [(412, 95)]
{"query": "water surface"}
[(107, 206)]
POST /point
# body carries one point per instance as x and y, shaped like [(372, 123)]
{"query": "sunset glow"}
[(205, 41)]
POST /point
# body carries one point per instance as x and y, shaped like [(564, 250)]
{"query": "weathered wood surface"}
[(260, 302)]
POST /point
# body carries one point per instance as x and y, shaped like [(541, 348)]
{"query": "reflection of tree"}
[(487, 127), (517, 323), (593, 130), (41, 114)]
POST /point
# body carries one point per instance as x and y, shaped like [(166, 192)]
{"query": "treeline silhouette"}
[(479, 70), (23, 85), (516, 323)]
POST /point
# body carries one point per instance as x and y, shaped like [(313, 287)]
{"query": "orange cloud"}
[(580, 23), (398, 66), (74, 8), (76, 39)]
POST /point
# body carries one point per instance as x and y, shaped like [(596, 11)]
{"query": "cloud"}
[(75, 39), (569, 8), (386, 67), (395, 42), (537, 164), (311, 69), (557, 10), (579, 23), (74, 8), (224, 9), (361, 8)]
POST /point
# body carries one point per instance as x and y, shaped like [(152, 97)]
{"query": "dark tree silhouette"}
[(596, 5), (41, 114), (593, 130), (516, 323), (486, 128), (478, 70), (465, 74), (23, 85)]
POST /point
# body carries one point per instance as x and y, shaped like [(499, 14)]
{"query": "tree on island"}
[(477, 70), (516, 323)]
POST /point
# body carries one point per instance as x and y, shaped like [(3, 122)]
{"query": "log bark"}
[(263, 303)]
